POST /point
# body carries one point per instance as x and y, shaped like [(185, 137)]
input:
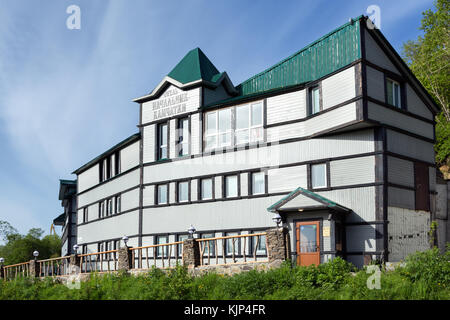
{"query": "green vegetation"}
[(19, 248), (426, 275), (429, 59)]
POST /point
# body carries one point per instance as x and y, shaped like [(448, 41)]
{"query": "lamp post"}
[(35, 254), (125, 240), (277, 219), (191, 231)]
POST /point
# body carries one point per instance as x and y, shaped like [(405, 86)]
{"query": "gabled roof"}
[(194, 66), (123, 143), (313, 201), (67, 188)]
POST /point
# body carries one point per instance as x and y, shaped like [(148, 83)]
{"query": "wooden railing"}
[(99, 261), (246, 248), (16, 270), (165, 255), (54, 267)]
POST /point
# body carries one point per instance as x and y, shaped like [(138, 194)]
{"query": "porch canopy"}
[(301, 200)]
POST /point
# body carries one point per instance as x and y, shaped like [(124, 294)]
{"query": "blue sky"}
[(65, 95)]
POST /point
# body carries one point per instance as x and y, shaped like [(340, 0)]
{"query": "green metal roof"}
[(122, 143), (195, 66), (325, 201), (331, 52)]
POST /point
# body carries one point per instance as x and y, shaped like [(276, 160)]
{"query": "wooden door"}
[(308, 243), (421, 180)]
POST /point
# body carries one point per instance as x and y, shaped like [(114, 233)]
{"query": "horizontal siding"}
[(314, 125), (149, 140), (287, 179), (172, 192), (361, 238), (244, 184), (195, 133), (399, 120), (376, 55), (129, 156), (129, 200), (172, 137), (401, 198), (286, 107), (409, 146), (375, 84), (109, 188), (113, 227), (192, 103), (416, 105), (352, 171), (306, 150), (432, 177), (194, 189), (338, 88), (408, 232), (148, 195), (88, 178), (400, 172), (218, 187), (300, 201)]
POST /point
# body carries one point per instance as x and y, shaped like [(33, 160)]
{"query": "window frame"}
[(160, 146), (327, 175), (200, 191), (181, 141), (166, 248), (394, 81), (178, 183), (157, 193), (227, 246), (225, 186), (117, 203), (213, 250), (310, 99), (250, 183), (85, 214)]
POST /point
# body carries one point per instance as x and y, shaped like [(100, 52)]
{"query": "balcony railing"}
[(104, 261)]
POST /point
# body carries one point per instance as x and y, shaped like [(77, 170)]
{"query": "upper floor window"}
[(109, 207), (162, 141), (85, 214), (117, 201), (222, 129), (258, 182), (183, 191), (319, 176), (109, 166), (206, 189), (161, 196), (393, 93), (314, 100), (183, 137), (231, 186)]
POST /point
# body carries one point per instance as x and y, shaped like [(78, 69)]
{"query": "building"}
[(68, 219), (337, 138)]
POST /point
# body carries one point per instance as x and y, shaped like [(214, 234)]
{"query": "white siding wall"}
[(244, 184), (218, 187), (409, 146), (194, 189), (376, 55), (352, 171), (338, 88), (415, 104), (287, 179), (148, 195), (286, 107), (129, 157), (375, 84), (400, 172), (149, 140), (195, 133), (130, 200), (88, 178)]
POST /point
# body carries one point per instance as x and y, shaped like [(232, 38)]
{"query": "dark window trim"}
[(158, 126), (250, 182), (178, 145), (200, 188), (157, 193), (177, 193), (402, 84), (224, 185), (327, 175)]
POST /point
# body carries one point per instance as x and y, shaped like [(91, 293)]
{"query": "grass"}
[(426, 275)]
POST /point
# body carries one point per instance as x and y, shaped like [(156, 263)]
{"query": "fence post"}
[(191, 253), (124, 262), (34, 268), (278, 244)]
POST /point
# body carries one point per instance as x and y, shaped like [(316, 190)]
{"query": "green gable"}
[(195, 66)]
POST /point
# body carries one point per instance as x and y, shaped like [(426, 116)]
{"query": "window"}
[(183, 191), (162, 194), (258, 183), (232, 243), (259, 245), (209, 246), (222, 129), (101, 209), (85, 214), (231, 186), (393, 93), (162, 141), (117, 204), (84, 249), (314, 100), (319, 175), (183, 137), (109, 166), (117, 162), (109, 207), (164, 249), (181, 237), (206, 189)]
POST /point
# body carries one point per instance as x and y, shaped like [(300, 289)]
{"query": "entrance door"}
[(308, 243)]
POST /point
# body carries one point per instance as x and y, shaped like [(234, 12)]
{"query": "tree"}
[(19, 248), (6, 229), (429, 58)]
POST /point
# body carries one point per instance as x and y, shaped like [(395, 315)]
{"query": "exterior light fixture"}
[(277, 219), (75, 248), (125, 240), (1, 261), (35, 254), (191, 231)]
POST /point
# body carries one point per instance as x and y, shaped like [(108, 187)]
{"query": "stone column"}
[(191, 253), (278, 244), (74, 264), (34, 268), (125, 259)]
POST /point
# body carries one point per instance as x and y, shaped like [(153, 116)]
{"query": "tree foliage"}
[(429, 59), (19, 248)]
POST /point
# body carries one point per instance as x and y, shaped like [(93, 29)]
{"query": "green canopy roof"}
[(195, 66)]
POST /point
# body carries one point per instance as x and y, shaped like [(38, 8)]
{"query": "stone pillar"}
[(125, 259), (34, 268), (278, 244), (2, 272), (191, 253), (74, 264)]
